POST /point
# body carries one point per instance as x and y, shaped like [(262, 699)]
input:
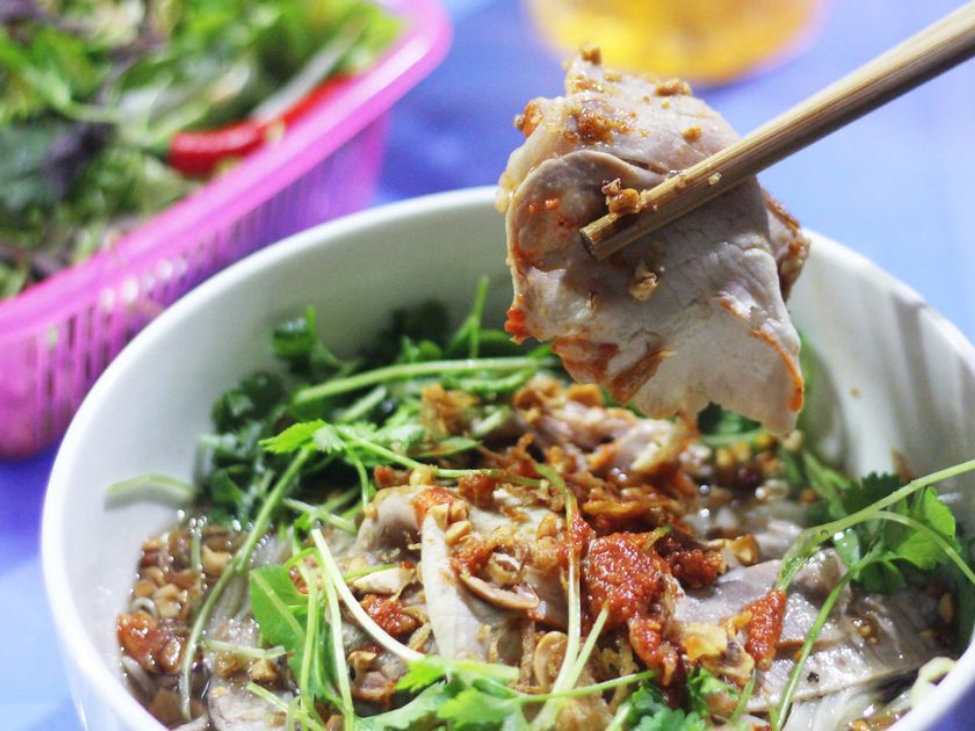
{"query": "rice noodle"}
[(136, 673), (833, 711), (144, 604), (928, 678), (228, 604)]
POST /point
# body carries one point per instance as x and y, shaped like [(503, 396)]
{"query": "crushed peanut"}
[(592, 54), (643, 283), (458, 510), (673, 87), (441, 514), (214, 562), (264, 672), (155, 574), (457, 531), (143, 588), (946, 608)]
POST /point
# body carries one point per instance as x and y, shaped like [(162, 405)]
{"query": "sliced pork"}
[(694, 312)]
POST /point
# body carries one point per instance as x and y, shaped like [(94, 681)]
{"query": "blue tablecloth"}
[(897, 186)]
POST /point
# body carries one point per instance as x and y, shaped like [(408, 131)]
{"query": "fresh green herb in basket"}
[(111, 109)]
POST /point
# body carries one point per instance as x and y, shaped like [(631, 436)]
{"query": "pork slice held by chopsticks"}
[(694, 312)]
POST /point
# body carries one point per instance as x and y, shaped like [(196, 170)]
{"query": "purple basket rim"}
[(324, 129)]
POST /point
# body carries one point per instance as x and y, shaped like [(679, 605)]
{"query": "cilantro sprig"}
[(878, 526), (476, 695), (646, 710)]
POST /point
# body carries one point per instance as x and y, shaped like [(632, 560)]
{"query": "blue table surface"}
[(897, 186)]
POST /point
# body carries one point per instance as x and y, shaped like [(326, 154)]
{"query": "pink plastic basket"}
[(56, 338)]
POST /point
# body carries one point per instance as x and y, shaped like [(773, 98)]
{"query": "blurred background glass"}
[(707, 41)]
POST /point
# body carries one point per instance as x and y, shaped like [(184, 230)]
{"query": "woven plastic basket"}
[(56, 338)]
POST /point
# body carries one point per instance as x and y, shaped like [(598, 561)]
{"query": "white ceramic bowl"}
[(892, 374)]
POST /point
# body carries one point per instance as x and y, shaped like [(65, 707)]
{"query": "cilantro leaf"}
[(415, 714), (252, 399), (649, 712), (669, 719), (869, 490), (431, 668), (296, 342), (964, 591), (701, 684), (882, 576), (282, 615), (832, 487), (890, 542), (472, 708), (294, 437), (277, 606), (423, 672), (427, 321), (919, 548)]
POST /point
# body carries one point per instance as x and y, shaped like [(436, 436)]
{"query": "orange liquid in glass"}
[(709, 41)]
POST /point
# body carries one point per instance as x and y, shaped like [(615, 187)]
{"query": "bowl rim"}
[(77, 647)]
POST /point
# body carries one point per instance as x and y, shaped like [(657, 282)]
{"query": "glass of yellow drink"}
[(708, 41)]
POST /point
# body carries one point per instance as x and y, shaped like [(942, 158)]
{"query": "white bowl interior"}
[(891, 374)]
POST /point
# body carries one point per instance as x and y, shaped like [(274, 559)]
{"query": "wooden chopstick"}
[(931, 52)]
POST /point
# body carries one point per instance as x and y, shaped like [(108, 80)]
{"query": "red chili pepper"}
[(198, 153)]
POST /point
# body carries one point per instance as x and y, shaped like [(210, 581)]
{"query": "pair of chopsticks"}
[(931, 52)]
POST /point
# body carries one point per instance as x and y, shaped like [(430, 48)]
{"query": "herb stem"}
[(365, 486), (588, 690), (152, 487), (189, 650), (812, 538), (367, 623), (403, 371), (619, 718), (266, 695), (366, 570), (251, 653), (319, 513), (563, 681), (403, 460), (338, 652), (727, 440), (782, 712), (236, 566), (196, 548), (587, 648), (363, 406), (746, 695), (311, 634), (274, 498), (471, 328)]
